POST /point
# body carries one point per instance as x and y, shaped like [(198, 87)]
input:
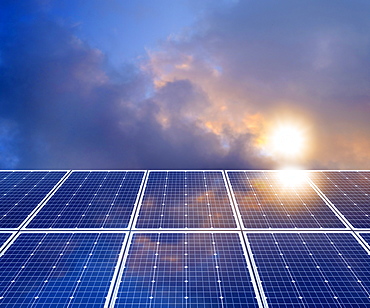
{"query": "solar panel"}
[(21, 192), (186, 270), (349, 192), (312, 269), (186, 199), (98, 199), (59, 269), (279, 200)]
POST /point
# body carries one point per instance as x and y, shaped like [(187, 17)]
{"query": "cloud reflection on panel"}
[(178, 269), (191, 199)]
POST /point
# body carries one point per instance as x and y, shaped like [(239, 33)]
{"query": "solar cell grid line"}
[(3, 183), (59, 269), (21, 192), (185, 269), (280, 200), (349, 193), (312, 269), (185, 200), (92, 199)]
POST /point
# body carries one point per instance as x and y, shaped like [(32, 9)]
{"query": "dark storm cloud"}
[(204, 99)]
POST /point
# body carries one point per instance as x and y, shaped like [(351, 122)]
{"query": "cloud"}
[(206, 98), (68, 110), (264, 63)]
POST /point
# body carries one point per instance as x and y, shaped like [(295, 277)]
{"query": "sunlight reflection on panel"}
[(292, 178), (280, 200)]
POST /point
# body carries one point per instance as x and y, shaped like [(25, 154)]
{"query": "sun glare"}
[(292, 178), (287, 140)]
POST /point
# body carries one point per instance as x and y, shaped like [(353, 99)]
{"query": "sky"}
[(161, 84)]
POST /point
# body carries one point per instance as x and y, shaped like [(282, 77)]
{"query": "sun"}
[(287, 140)]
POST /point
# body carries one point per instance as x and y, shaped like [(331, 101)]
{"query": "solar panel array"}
[(184, 239)]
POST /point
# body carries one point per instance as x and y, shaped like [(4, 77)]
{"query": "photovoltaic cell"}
[(366, 237), (280, 200), (95, 199), (312, 269), (59, 269), (4, 237), (21, 192), (180, 199), (186, 270), (349, 192)]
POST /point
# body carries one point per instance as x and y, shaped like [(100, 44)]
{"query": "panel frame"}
[(42, 202), (244, 228), (134, 228), (129, 225)]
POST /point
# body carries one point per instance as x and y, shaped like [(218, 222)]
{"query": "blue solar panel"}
[(280, 200), (96, 199), (4, 237), (186, 270), (59, 269), (366, 237), (21, 192), (312, 269), (180, 199), (349, 192)]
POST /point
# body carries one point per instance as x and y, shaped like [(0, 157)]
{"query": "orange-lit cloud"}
[(246, 85)]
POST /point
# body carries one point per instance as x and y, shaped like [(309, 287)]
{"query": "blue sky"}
[(124, 30), (184, 84)]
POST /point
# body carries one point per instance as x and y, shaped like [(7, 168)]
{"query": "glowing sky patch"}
[(287, 140)]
